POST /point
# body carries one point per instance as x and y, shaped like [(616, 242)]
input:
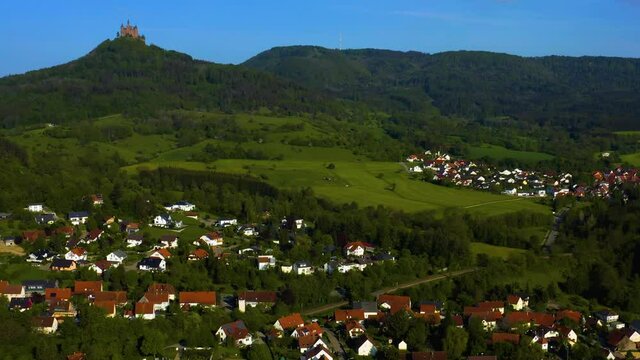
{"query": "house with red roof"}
[(358, 248), (163, 254), (291, 321), (394, 303), (211, 239), (10, 291), (93, 236), (517, 302), (492, 306), (108, 306), (198, 254), (145, 310), (349, 314), (87, 288), (206, 299), (54, 294), (76, 254), (489, 319), (307, 329), (160, 288), (119, 297)]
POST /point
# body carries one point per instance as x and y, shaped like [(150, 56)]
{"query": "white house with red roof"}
[(358, 248), (76, 254)]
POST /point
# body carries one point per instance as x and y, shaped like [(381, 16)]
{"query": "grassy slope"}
[(494, 251), (354, 178), (499, 152)]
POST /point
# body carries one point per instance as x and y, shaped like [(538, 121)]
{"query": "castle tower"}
[(130, 31)]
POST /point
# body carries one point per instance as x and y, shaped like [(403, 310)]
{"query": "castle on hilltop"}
[(130, 31)]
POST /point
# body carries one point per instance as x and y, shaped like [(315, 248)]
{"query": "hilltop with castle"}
[(130, 31)]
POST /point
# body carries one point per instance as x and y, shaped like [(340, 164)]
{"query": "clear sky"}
[(36, 34)]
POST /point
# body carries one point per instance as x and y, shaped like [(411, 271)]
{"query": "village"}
[(442, 168), (361, 329)]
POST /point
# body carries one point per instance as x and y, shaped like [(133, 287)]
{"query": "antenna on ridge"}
[(340, 43)]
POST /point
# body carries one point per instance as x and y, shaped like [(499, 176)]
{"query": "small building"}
[(266, 262), (235, 331), (364, 346), (180, 206), (152, 264), (134, 240), (78, 217), (10, 291), (291, 321), (45, 324), (38, 286), (198, 254), (46, 219), (168, 242), (117, 256), (226, 222), (145, 310), (211, 239), (256, 299), (35, 208), (63, 265), (198, 298), (76, 254), (302, 268)]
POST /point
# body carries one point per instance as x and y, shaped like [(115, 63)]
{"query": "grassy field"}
[(21, 271), (15, 250), (353, 178), (633, 159), (494, 251), (367, 183), (628, 133), (499, 153)]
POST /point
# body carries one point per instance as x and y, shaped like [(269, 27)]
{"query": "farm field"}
[(499, 153)]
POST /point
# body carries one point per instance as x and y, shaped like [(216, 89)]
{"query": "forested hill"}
[(125, 75), (565, 90)]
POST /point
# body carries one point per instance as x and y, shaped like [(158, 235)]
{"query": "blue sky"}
[(42, 33)]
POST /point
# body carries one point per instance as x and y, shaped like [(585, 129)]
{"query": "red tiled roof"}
[(427, 308), (198, 297), (57, 294), (291, 321), (310, 329), (354, 245), (119, 297), (103, 264), (396, 302), (158, 288), (164, 252), (199, 254), (258, 296), (154, 298), (491, 304), (86, 287), (488, 316), (505, 337), (144, 308), (344, 315), (94, 234), (42, 321), (108, 305), (307, 341), (78, 251), (574, 316), (8, 289), (32, 235), (77, 356), (236, 330)]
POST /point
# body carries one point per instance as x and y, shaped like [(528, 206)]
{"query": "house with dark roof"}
[(38, 286), (41, 255), (235, 331), (256, 299), (20, 304), (46, 219), (45, 324), (152, 264), (78, 217), (63, 265)]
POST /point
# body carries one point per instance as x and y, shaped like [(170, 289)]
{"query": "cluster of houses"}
[(442, 167), (606, 182), (506, 321)]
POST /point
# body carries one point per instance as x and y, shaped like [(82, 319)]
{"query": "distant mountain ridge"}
[(604, 91)]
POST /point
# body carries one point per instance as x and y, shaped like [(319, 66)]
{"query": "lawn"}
[(494, 251), (499, 153), (628, 133), (20, 271)]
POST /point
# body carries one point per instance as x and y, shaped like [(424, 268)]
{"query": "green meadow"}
[(335, 173), (499, 153)]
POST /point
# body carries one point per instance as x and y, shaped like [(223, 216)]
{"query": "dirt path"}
[(491, 202)]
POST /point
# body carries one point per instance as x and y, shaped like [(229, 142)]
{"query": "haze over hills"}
[(598, 90)]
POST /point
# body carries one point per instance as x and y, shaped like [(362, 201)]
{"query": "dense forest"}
[(583, 92)]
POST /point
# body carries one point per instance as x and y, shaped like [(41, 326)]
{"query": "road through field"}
[(430, 278)]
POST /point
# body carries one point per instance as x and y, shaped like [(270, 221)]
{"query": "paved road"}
[(334, 344), (552, 235), (328, 307)]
